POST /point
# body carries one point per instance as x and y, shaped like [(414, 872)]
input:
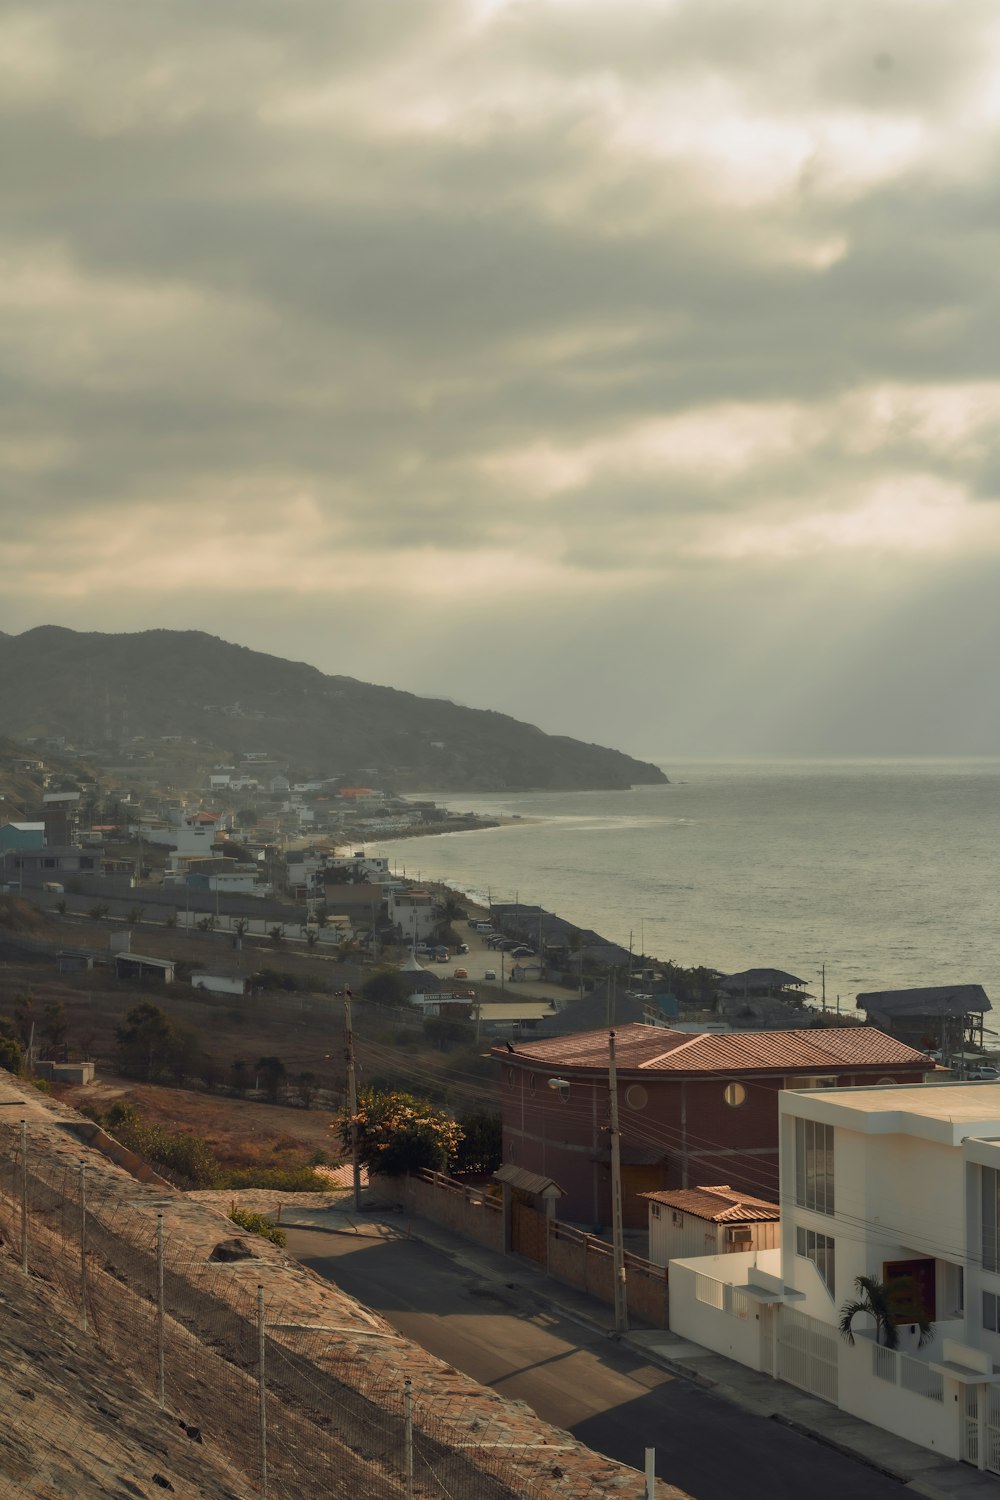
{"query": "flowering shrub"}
[(398, 1133)]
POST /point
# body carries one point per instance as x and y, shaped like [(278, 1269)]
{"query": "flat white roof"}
[(945, 1112)]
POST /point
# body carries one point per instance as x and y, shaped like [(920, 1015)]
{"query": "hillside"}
[(86, 685)]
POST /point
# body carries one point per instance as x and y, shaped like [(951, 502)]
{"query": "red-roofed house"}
[(709, 1221), (693, 1108)]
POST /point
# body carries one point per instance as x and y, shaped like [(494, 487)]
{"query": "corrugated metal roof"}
[(935, 1000), (720, 1205), (641, 1048)]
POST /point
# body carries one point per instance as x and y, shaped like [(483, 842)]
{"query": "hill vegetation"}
[(86, 686)]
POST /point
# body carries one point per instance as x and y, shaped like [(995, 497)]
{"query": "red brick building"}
[(692, 1108)]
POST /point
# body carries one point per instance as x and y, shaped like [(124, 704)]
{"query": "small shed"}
[(219, 982), (73, 960), (137, 966), (709, 1221), (527, 1195)]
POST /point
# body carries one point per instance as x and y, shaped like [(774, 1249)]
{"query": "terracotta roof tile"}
[(720, 1205), (641, 1048)]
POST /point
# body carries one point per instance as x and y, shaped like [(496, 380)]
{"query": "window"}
[(814, 1166), (636, 1096), (819, 1248), (990, 1197), (734, 1094), (677, 1218), (990, 1312), (812, 1081), (654, 1209)]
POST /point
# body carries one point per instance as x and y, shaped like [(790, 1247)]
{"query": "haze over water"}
[(884, 870)]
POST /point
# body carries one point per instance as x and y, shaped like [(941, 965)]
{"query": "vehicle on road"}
[(490, 974)]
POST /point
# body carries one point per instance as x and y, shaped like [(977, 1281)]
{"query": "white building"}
[(414, 913), (709, 1221), (902, 1184)]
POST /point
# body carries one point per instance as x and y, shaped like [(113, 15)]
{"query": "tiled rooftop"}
[(657, 1049), (721, 1205)]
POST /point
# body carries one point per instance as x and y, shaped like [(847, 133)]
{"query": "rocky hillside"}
[(170, 682)]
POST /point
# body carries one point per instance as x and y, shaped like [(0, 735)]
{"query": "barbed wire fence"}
[(291, 1407)]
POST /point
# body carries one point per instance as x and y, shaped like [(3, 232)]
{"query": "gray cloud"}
[(553, 314)]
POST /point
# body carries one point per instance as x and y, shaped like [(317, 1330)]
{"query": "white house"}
[(709, 1221), (900, 1183), (414, 913)]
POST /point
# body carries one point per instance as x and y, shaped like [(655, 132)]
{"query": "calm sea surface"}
[(886, 871)]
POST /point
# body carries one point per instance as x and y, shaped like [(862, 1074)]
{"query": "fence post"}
[(83, 1248), (24, 1196), (262, 1391), (408, 1435), (650, 1474), (160, 1314)]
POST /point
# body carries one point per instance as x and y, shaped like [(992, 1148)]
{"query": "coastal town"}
[(698, 1154)]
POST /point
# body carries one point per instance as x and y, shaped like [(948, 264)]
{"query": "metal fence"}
[(292, 1407)]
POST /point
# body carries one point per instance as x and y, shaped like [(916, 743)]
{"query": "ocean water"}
[(886, 872)]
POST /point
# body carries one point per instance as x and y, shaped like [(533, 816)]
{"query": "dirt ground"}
[(239, 1131)]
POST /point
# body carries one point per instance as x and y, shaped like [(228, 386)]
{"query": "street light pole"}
[(617, 1233)]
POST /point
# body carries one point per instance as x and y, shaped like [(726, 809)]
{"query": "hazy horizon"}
[(630, 370)]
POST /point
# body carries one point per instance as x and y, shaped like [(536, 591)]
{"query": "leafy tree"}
[(240, 926), (271, 1071), (143, 1041), (183, 1057), (398, 1133), (246, 817), (61, 908), (99, 912), (54, 1025), (134, 915), (386, 987), (206, 924), (170, 920), (24, 1017), (277, 937), (239, 1073), (884, 1303), (447, 1032), (481, 1147), (11, 1056), (308, 1084), (312, 936)]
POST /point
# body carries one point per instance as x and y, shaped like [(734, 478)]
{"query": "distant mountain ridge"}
[(90, 686)]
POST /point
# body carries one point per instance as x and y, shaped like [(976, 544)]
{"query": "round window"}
[(735, 1094), (636, 1096)]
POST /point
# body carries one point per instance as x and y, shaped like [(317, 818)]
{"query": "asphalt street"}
[(579, 1380)]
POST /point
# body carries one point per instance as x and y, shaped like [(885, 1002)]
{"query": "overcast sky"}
[(633, 368)]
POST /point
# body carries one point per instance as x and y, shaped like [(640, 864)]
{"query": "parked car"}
[(462, 948), (987, 1073), (490, 974), (460, 974), (522, 952), (441, 955)]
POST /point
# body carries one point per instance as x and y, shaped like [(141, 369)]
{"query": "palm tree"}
[(882, 1302)]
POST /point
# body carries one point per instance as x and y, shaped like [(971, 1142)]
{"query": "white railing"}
[(711, 1292), (908, 1373)]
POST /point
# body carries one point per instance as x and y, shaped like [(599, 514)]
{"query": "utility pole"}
[(823, 973), (617, 1235), (352, 1099)]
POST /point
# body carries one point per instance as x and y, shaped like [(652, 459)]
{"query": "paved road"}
[(608, 1397)]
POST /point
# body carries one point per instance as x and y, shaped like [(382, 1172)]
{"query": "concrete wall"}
[(465, 1210), (705, 1307)]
